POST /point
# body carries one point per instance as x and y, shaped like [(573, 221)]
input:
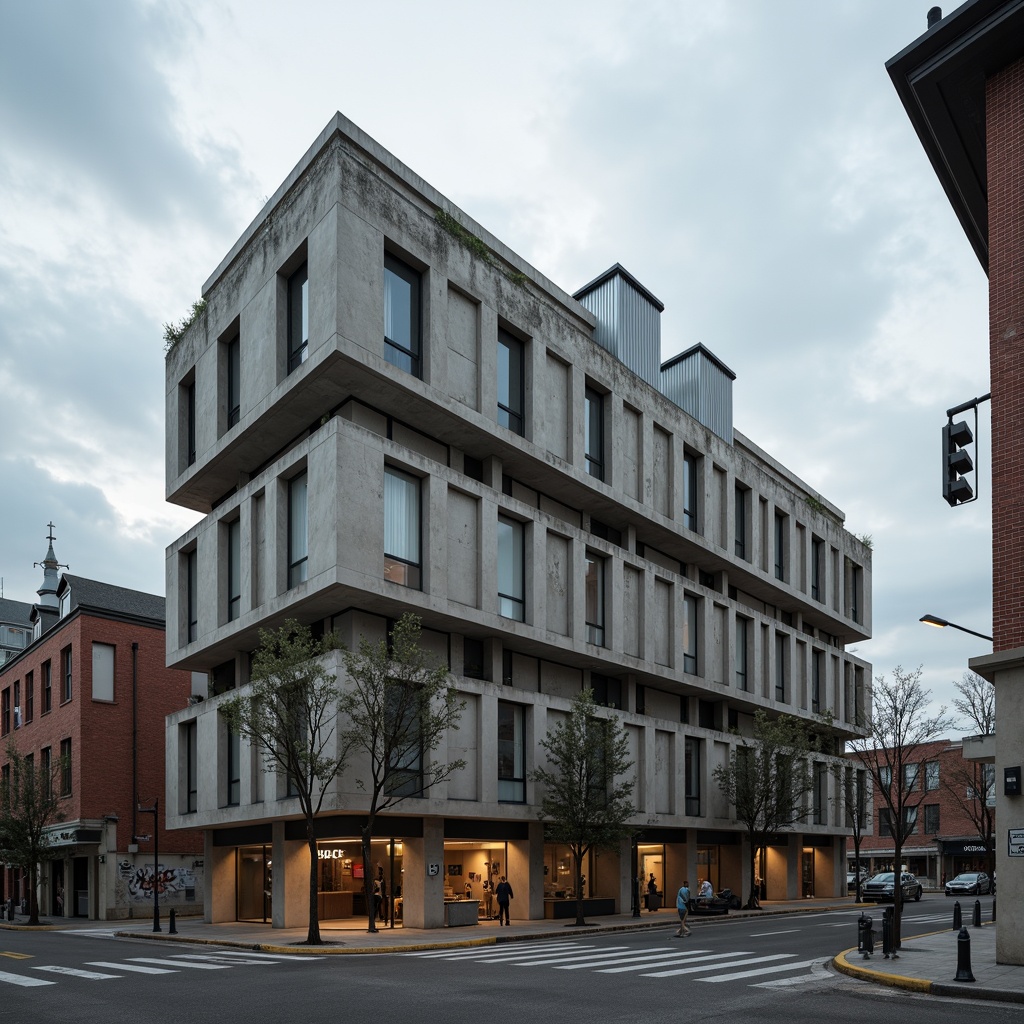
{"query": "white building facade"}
[(383, 409)]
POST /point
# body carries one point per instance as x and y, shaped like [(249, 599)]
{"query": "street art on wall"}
[(140, 880)]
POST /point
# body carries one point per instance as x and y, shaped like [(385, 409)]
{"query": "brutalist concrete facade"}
[(383, 409)]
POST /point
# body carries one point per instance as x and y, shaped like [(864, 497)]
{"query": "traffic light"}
[(956, 463)]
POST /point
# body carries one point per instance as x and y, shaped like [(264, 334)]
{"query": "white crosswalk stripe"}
[(75, 972), (132, 968), (159, 962), (760, 970), (22, 980)]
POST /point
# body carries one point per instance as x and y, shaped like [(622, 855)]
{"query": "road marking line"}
[(215, 959), (74, 972), (800, 979), (477, 951), (761, 970), (18, 956), (681, 958), (134, 968), (179, 963), (637, 958), (273, 957), (713, 967), (788, 931), (530, 960), (19, 979)]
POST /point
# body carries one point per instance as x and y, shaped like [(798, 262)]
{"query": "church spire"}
[(48, 591)]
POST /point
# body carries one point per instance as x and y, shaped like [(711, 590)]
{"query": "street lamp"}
[(934, 620), (155, 811)]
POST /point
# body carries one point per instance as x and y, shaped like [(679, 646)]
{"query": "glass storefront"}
[(472, 870), (342, 880), (253, 883)]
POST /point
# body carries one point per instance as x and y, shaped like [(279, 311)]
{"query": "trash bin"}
[(654, 901)]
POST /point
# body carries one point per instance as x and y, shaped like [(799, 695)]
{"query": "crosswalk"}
[(39, 975), (763, 970)]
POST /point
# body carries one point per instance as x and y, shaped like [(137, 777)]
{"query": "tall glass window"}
[(742, 653), (65, 767), (690, 491), (192, 595), (402, 528), (690, 628), (511, 570), (780, 546), (594, 589), (817, 567), (691, 768), (741, 518), (234, 569), (781, 653), (817, 680), (234, 770), (510, 382), (233, 357), (401, 315), (298, 317), (511, 753), (65, 664), (594, 440), (298, 530), (188, 739)]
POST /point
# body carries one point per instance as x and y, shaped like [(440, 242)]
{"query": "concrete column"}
[(423, 892), (219, 881), (793, 866), (290, 894), (522, 879)]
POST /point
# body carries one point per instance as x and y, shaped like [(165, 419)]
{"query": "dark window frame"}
[(66, 674), (66, 777), (594, 433), (298, 560), (233, 373), (298, 317), (405, 354), (690, 478), (595, 604), (234, 569), (400, 568), (511, 783), (511, 374), (512, 605)]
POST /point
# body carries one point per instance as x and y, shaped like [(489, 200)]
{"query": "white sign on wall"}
[(1015, 842), (433, 869)]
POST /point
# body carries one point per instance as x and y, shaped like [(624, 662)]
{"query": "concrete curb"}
[(878, 977)]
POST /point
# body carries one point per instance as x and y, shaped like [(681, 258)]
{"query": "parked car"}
[(881, 887), (968, 883), (851, 879)]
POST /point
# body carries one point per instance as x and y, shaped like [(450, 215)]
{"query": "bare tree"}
[(857, 809), (891, 752), (399, 705)]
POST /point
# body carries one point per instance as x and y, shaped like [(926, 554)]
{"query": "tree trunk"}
[(33, 903), (371, 903), (577, 856), (897, 895), (313, 933)]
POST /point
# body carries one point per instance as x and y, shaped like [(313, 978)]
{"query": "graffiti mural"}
[(140, 881)]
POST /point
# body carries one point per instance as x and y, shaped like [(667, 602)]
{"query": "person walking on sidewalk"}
[(683, 906), (503, 891)]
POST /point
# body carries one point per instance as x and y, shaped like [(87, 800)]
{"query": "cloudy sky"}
[(747, 160)]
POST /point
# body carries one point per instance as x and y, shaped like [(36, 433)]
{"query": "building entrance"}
[(254, 883)]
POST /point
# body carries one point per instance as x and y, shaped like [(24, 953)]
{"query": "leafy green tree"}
[(289, 713), (588, 793), (29, 805), (765, 779), (399, 704)]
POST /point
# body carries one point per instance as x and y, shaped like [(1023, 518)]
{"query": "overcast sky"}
[(747, 160)]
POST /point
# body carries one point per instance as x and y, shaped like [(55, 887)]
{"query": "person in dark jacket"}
[(503, 892)]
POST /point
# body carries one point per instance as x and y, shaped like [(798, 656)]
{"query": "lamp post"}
[(934, 620), (155, 811)]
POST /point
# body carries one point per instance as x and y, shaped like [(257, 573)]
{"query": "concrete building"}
[(962, 84), (15, 627), (384, 409), (91, 689)]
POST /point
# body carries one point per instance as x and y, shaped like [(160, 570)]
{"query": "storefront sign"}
[(1015, 841), (330, 854)]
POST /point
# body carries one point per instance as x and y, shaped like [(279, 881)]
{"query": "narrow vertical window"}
[(5, 711), (65, 767), (594, 439), (234, 771), (817, 567), (192, 595), (740, 520), (189, 412), (817, 680), (742, 639), (298, 317), (511, 754), (234, 379), (691, 769), (402, 332), (188, 738), (30, 697), (47, 684), (510, 382), (856, 589), (46, 768), (17, 703), (594, 590), (102, 672), (234, 569), (65, 666), (511, 570), (780, 667), (402, 562), (820, 795), (690, 629), (690, 491), (298, 530), (780, 546)]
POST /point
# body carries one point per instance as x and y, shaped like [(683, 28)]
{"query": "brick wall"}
[(1004, 103)]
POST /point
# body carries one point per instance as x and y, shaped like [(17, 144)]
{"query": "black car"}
[(968, 883), (881, 887)]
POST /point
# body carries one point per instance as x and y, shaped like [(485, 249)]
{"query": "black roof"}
[(91, 595), (15, 612)]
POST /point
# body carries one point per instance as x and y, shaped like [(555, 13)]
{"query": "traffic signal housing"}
[(957, 463)]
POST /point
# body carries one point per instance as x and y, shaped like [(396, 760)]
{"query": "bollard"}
[(865, 936), (963, 956), (977, 914), (887, 947), (993, 908), (172, 928), (956, 916)]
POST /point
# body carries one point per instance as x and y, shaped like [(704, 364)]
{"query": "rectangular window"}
[(691, 768), (820, 795), (511, 569), (931, 819), (233, 361), (690, 491), (856, 587), (910, 773), (884, 823), (298, 317), (931, 775), (885, 777), (607, 690), (298, 530), (234, 761), (781, 644), (511, 753), (910, 817), (690, 631), (594, 439), (741, 509), (234, 569), (65, 767), (65, 667), (102, 672), (780, 546), (473, 659), (192, 595), (46, 768), (5, 711), (190, 422), (594, 592), (402, 528), (47, 684), (510, 382), (402, 330), (30, 697), (742, 653), (817, 680), (17, 703), (817, 567), (188, 738)]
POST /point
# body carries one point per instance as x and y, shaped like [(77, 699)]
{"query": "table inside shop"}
[(458, 913)]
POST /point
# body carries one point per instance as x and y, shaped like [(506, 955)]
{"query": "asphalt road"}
[(771, 967)]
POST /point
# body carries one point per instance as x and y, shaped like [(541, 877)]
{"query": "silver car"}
[(881, 887)]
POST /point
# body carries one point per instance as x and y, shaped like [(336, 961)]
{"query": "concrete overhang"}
[(980, 748)]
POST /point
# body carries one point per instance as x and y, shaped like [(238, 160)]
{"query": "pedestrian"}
[(683, 907), (380, 895), (705, 892), (503, 891)]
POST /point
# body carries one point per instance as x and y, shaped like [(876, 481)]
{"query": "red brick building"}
[(91, 686), (945, 795)]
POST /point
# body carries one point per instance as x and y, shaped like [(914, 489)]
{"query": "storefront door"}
[(254, 883)]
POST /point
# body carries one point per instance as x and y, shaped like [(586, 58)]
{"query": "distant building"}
[(383, 409), (15, 627), (92, 688)]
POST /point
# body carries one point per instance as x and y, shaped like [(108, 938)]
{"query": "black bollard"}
[(963, 956), (993, 908), (887, 945), (977, 913), (172, 929), (865, 936), (956, 916)]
